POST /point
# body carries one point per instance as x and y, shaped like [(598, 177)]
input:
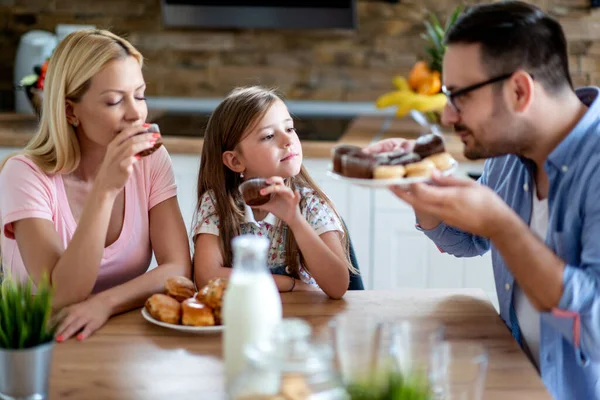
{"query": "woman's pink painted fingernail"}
[(137, 157), (262, 191), (146, 125), (60, 338), (80, 337), (156, 135)]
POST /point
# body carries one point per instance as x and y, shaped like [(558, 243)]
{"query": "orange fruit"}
[(419, 73), (430, 85)]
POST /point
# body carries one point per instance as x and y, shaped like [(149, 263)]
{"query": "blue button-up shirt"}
[(569, 334)]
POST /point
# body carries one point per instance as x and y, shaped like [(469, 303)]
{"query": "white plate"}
[(384, 183), (182, 328)]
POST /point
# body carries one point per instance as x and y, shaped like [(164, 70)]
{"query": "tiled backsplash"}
[(322, 65)]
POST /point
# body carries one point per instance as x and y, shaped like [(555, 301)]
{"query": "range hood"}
[(268, 14)]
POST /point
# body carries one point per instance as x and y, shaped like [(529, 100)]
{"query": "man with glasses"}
[(537, 203)]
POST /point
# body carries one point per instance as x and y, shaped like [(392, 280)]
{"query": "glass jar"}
[(288, 366)]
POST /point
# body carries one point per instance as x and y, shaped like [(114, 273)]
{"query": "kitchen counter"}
[(17, 129)]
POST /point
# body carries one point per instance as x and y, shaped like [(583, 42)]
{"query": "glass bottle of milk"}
[(251, 304)]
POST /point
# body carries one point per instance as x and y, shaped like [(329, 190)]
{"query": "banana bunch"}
[(406, 99)]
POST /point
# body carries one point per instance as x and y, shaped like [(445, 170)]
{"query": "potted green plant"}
[(392, 386), (26, 339)]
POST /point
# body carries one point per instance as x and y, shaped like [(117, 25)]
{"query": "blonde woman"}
[(78, 203)]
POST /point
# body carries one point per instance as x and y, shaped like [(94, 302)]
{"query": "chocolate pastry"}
[(339, 151), (404, 159), (152, 129), (250, 191), (384, 158), (359, 165), (392, 155), (429, 144)]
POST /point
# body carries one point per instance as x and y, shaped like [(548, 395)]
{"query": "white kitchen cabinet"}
[(355, 205), (185, 168), (403, 257)]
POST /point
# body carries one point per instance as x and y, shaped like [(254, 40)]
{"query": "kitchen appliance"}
[(34, 48), (309, 127), (295, 14)]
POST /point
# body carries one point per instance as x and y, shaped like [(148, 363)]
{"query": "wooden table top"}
[(130, 358)]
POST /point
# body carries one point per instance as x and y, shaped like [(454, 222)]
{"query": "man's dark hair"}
[(515, 35)]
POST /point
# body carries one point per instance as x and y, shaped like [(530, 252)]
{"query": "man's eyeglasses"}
[(452, 95)]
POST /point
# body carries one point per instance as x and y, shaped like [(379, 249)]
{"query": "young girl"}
[(251, 134)]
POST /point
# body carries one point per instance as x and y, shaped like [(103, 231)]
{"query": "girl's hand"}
[(284, 202), (83, 319), (120, 156)]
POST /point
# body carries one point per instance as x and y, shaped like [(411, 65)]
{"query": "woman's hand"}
[(121, 155), (284, 202), (83, 318)]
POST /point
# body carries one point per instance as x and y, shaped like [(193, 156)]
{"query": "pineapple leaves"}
[(435, 36), (452, 20)]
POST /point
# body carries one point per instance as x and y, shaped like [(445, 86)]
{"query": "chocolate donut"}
[(340, 151), (392, 155), (404, 159), (429, 144), (250, 191), (359, 165), (152, 129)]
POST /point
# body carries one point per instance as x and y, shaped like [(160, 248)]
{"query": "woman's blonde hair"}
[(76, 59), (241, 109)]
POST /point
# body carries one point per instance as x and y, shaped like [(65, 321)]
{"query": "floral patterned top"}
[(316, 211)]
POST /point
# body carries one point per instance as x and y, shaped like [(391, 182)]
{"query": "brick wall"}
[(323, 65)]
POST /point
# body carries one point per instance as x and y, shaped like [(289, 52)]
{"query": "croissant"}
[(164, 308), (179, 288)]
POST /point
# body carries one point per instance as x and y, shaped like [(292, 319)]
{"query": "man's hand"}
[(461, 203), (388, 145)]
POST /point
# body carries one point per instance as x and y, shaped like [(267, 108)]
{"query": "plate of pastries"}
[(401, 167), (183, 308)]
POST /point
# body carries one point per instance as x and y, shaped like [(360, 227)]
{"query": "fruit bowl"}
[(35, 97), (33, 85)]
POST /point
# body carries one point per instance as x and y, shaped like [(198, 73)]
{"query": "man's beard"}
[(474, 150)]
